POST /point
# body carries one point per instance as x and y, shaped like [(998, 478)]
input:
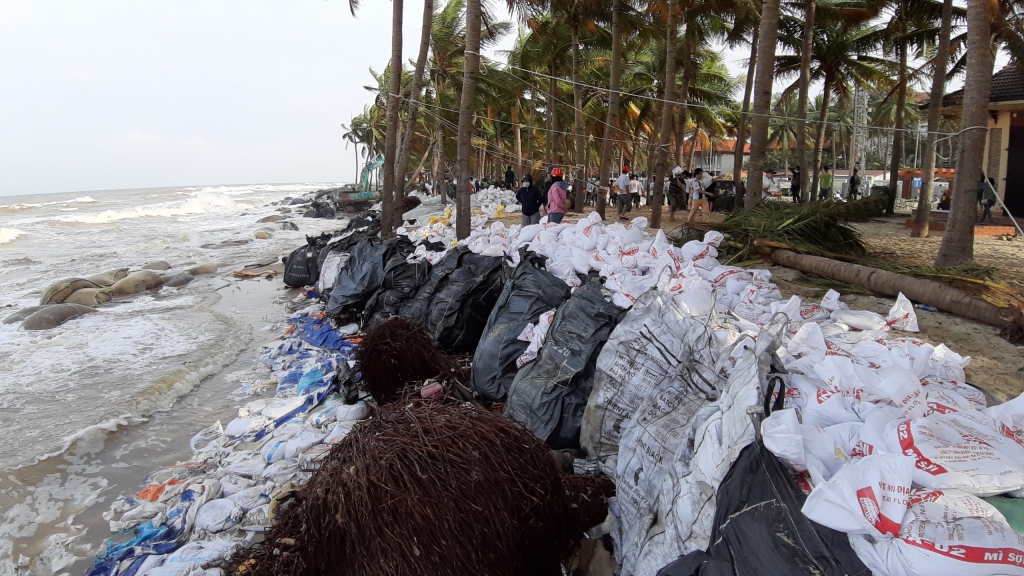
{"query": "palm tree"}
[(940, 59), (615, 84), (414, 102), (671, 33), (765, 75), (806, 52), (958, 241), (469, 76), (839, 60), (783, 130), (391, 140), (748, 21)]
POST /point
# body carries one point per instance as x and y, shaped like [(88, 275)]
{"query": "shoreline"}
[(83, 481)]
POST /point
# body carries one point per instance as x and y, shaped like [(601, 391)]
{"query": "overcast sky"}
[(101, 94)]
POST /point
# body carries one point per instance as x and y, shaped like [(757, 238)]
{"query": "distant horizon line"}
[(97, 190)]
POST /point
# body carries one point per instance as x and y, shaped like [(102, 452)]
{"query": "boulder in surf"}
[(136, 282), (107, 279), (263, 235), (58, 291), (272, 218), (53, 316), (92, 297)]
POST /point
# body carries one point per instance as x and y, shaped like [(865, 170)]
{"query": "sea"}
[(91, 407)]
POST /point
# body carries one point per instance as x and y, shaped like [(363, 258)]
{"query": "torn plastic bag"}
[(549, 395), (364, 273), (459, 310), (401, 282), (418, 308), (759, 529), (530, 292), (302, 268)]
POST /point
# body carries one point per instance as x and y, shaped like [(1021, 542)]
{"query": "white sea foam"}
[(8, 235), (200, 203)]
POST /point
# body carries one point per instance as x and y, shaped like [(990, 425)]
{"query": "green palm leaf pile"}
[(821, 229)]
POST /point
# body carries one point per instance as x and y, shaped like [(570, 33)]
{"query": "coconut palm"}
[(958, 241), (391, 139), (671, 33), (924, 203), (840, 60), (765, 75)]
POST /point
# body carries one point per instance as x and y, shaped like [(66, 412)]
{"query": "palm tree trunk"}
[(897, 136), (819, 134), (469, 78), (667, 112), (762, 100), (414, 104), (801, 110), (612, 120), (741, 130), (391, 140), (577, 96), (517, 128), (958, 241), (530, 131), (924, 202), (549, 138), (693, 147)]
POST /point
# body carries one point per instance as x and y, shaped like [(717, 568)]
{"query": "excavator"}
[(353, 198)]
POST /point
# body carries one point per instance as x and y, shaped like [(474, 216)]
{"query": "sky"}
[(105, 94)]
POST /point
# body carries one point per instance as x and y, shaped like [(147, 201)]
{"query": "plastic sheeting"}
[(459, 310), (364, 274), (530, 292), (549, 395), (402, 280)]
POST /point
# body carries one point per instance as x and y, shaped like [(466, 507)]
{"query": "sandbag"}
[(530, 292), (401, 281), (459, 311), (107, 279), (20, 315), (364, 273), (549, 395), (759, 529), (53, 316), (301, 266), (418, 308), (178, 280), (59, 291), (92, 297), (136, 282)]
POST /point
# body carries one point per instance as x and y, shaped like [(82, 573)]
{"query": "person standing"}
[(531, 199), (621, 187), (825, 181), (556, 200), (635, 188), (510, 179), (676, 193), (988, 198), (794, 188), (695, 191), (854, 185)]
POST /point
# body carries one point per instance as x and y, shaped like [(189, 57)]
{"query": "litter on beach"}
[(421, 394)]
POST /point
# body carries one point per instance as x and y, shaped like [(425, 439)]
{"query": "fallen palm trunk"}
[(931, 293)]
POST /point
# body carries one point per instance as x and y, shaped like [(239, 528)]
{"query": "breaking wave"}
[(8, 235)]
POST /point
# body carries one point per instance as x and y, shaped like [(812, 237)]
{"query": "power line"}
[(711, 108)]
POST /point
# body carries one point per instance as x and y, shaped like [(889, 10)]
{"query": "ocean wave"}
[(200, 203), (9, 235)]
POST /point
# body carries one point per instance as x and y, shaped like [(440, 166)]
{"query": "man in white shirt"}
[(695, 191), (768, 185), (622, 200)]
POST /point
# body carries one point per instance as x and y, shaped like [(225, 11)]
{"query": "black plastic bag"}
[(530, 292), (549, 395), (418, 308), (364, 273), (401, 281), (302, 266), (759, 528), (459, 310)]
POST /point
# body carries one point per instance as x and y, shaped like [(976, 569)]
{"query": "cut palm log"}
[(944, 297)]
